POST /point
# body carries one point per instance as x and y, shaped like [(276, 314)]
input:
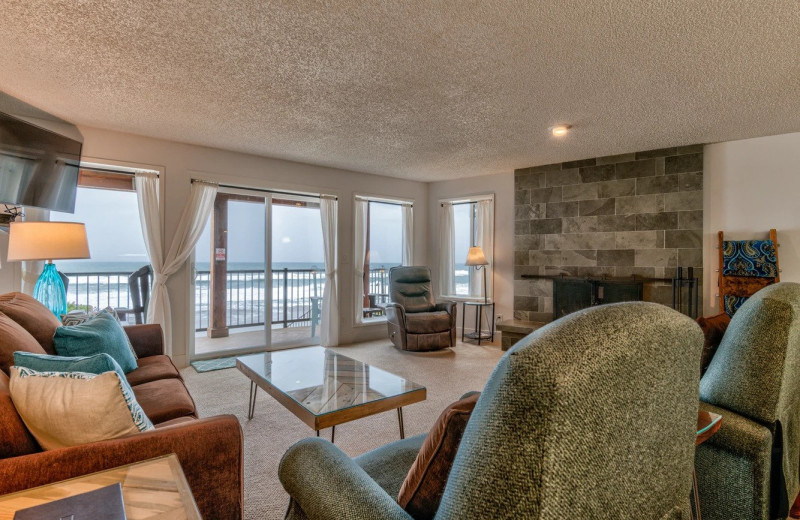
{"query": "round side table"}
[(478, 333)]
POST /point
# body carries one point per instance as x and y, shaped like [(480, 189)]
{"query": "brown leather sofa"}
[(209, 450), (416, 322)]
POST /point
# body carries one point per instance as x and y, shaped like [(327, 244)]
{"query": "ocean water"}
[(296, 289)]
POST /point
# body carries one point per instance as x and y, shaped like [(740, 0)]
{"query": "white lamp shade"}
[(475, 256), (47, 241)]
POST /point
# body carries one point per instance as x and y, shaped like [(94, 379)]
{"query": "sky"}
[(115, 234)]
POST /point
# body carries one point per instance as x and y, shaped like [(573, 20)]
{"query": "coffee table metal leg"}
[(251, 402), (333, 433), (400, 422)]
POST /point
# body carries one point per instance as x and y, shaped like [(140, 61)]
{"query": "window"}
[(466, 223), (383, 239), (107, 204)]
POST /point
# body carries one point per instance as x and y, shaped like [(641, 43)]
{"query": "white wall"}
[(502, 185), (182, 162), (751, 186), (9, 273)]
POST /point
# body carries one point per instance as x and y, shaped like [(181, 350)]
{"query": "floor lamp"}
[(48, 241)]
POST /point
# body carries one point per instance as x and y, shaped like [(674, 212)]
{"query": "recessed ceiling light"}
[(560, 130)]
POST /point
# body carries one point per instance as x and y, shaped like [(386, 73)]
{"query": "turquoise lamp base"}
[(50, 290)]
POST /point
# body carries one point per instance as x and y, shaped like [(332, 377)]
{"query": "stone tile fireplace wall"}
[(632, 214)]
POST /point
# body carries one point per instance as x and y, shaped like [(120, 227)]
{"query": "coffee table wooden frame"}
[(330, 419)]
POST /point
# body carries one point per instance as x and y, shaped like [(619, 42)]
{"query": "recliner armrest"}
[(327, 484), (449, 307), (395, 313)]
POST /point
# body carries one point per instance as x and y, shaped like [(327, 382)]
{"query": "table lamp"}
[(477, 259), (48, 241)]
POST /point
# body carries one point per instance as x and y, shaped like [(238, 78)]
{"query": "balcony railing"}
[(293, 294)]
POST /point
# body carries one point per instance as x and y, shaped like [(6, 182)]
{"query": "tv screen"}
[(37, 167)]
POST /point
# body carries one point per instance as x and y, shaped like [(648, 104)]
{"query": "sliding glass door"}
[(298, 271), (259, 274)]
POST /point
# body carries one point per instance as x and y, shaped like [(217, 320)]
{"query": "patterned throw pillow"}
[(101, 333), (77, 318), (64, 409)]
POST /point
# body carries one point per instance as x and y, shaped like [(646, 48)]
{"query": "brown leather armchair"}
[(416, 322)]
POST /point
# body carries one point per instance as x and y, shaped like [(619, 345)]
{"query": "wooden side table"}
[(155, 488), (707, 425)]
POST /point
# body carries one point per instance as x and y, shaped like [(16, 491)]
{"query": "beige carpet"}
[(446, 374)]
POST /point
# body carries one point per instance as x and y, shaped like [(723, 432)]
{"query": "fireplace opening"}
[(573, 294)]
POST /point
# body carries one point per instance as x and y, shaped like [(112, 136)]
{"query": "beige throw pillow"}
[(69, 408)]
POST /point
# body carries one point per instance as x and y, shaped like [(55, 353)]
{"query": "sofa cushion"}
[(64, 409), (16, 439), (176, 422), (427, 322), (102, 333), (32, 316), (153, 368), (424, 486), (164, 400), (96, 364), (13, 338)]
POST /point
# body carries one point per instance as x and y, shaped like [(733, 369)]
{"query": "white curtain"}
[(329, 328), (360, 211), (408, 234), (32, 269), (193, 219), (484, 238), (447, 240)]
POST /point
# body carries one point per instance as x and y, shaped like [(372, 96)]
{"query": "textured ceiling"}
[(423, 90)]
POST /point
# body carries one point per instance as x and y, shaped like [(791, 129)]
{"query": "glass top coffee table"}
[(323, 388)]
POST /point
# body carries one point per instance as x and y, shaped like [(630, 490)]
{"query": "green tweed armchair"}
[(592, 416), (749, 468)]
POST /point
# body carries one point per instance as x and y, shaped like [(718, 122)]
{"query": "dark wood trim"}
[(255, 199), (105, 181), (773, 235), (217, 313), (720, 270), (365, 297)]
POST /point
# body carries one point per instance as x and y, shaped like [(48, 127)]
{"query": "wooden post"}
[(217, 322)]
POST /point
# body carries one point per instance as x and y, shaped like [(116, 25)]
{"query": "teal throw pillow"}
[(97, 364), (101, 334)]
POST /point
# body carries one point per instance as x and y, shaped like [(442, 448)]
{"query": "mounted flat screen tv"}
[(38, 167)]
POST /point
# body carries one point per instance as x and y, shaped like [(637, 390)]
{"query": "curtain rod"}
[(381, 201), (461, 203), (111, 170), (263, 190)]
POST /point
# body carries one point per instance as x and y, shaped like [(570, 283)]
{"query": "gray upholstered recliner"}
[(592, 416), (749, 468), (415, 320)]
